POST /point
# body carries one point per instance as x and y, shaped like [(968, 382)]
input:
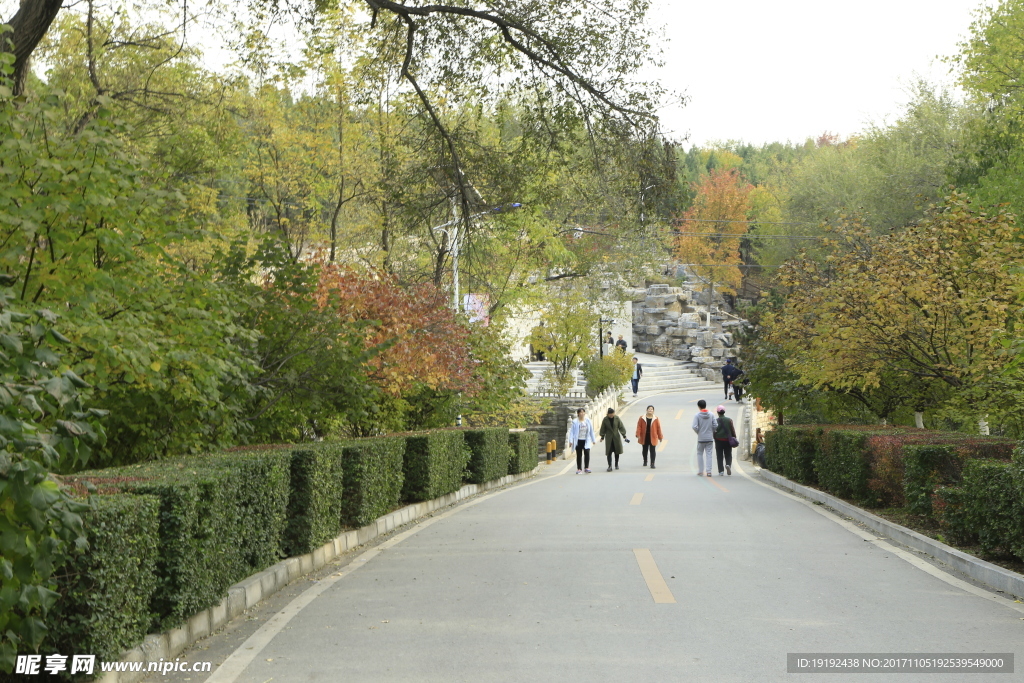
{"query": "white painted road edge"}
[(924, 566), (241, 658)]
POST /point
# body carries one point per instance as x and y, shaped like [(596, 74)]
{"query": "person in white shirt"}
[(581, 434)]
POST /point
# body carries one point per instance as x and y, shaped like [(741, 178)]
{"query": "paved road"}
[(558, 579)]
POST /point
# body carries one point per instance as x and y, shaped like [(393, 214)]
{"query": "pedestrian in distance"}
[(725, 433), (638, 372), (704, 426), (581, 433), (741, 388), (612, 427), (727, 370), (621, 345), (649, 434), (730, 373)]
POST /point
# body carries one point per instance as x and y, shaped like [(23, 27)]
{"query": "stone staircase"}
[(660, 374), (670, 375), (537, 369)]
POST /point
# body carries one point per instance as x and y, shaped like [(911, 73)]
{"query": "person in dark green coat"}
[(612, 427)]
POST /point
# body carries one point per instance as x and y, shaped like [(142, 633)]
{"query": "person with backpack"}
[(725, 439), (612, 427)]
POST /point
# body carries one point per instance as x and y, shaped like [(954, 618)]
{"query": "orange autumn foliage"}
[(425, 345)]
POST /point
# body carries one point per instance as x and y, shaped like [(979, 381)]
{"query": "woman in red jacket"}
[(648, 432)]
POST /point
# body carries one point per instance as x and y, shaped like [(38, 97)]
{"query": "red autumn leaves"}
[(425, 343)]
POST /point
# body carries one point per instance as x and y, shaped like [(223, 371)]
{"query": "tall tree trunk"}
[(30, 24)]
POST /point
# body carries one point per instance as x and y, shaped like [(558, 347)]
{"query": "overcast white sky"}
[(761, 71)]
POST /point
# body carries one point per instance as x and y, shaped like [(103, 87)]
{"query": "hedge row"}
[(373, 478), (167, 539), (879, 467), (987, 507), (524, 452), (314, 505), (435, 464), (105, 593), (490, 453)]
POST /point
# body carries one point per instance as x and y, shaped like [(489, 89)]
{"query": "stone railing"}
[(555, 394), (596, 409)]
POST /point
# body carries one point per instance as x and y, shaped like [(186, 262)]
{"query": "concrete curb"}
[(991, 575), (249, 592)]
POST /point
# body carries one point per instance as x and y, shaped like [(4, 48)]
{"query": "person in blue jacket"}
[(581, 435)]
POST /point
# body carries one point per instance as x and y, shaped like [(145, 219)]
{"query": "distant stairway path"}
[(660, 375)]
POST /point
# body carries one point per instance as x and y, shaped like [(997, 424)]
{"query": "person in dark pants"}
[(648, 432), (612, 427), (729, 374), (581, 433), (724, 432), (638, 372)]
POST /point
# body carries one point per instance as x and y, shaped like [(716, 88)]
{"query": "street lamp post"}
[(600, 334), (451, 231)]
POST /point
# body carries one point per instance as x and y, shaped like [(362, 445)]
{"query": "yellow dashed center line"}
[(680, 413), (650, 477), (637, 497), (718, 485), (655, 582)]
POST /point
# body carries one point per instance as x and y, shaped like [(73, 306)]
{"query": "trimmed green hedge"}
[(948, 511), (263, 481), (435, 464), (928, 467), (841, 465), (105, 592), (993, 505), (524, 452), (790, 451), (877, 466), (490, 453), (198, 553), (315, 503), (373, 478)]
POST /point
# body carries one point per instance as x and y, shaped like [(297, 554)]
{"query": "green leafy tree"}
[(43, 423), (566, 334), (87, 230), (913, 319), (308, 378), (612, 370)]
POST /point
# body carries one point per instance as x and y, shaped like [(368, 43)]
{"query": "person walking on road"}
[(725, 432), (648, 431), (704, 426), (730, 373), (582, 434), (638, 372), (612, 427)]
